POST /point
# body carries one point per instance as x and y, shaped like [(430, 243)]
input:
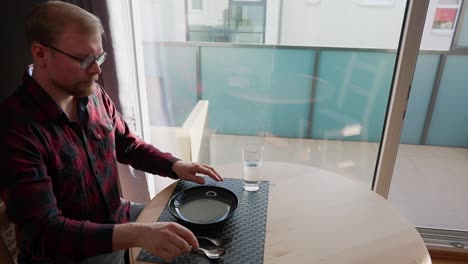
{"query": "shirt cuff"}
[(172, 174)]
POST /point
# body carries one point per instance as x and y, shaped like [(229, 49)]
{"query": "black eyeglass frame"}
[(84, 62)]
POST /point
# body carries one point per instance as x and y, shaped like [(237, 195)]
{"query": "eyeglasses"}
[(86, 61)]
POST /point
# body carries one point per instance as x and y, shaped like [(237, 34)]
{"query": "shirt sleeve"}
[(133, 151), (26, 188)]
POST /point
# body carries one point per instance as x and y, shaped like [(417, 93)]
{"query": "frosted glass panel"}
[(352, 94), (257, 91), (449, 126), (420, 96), (171, 80)]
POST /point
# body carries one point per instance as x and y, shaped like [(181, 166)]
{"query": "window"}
[(318, 95), (246, 23), (445, 16), (197, 5), (227, 21)]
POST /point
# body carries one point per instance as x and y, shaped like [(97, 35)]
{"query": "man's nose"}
[(94, 68)]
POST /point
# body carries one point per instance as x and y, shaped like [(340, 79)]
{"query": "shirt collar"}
[(47, 105)]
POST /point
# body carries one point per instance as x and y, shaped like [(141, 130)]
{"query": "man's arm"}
[(132, 150)]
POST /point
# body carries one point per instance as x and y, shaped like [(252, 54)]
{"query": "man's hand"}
[(168, 240), (164, 239), (188, 171)]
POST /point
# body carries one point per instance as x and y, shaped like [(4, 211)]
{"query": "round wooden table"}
[(338, 220)]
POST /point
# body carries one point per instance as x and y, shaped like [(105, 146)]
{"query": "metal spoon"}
[(214, 253), (215, 241)]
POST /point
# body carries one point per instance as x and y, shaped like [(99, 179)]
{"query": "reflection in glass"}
[(227, 21), (247, 19)]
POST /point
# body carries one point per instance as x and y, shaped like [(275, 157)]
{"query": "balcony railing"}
[(308, 92)]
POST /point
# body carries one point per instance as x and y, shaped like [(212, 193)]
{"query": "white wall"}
[(338, 23), (349, 23), (162, 20), (272, 21)]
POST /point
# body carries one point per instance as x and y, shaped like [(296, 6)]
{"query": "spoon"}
[(214, 253), (215, 241)]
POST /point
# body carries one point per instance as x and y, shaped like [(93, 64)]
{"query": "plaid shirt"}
[(59, 180)]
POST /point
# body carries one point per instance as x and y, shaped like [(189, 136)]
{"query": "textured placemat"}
[(244, 232)]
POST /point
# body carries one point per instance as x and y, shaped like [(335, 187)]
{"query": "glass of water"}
[(252, 157)]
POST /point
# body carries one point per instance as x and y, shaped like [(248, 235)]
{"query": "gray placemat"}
[(244, 232)]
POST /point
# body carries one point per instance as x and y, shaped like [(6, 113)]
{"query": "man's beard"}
[(80, 90), (84, 91)]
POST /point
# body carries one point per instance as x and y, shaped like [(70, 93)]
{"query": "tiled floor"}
[(429, 184)]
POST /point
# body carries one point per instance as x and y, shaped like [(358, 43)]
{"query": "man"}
[(60, 140)]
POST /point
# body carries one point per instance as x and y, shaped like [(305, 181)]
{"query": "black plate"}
[(203, 206)]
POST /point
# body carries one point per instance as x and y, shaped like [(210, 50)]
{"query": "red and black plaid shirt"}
[(59, 179)]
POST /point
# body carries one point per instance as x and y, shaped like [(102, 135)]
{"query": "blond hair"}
[(49, 20)]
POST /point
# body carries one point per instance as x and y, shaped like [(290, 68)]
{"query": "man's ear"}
[(39, 55)]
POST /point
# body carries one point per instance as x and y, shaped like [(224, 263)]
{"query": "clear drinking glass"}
[(252, 157)]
